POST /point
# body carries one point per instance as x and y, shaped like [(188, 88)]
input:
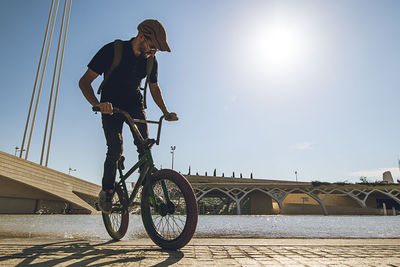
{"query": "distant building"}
[(387, 177)]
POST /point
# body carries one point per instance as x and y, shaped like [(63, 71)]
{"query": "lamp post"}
[(17, 149), (296, 175), (71, 170), (173, 152)]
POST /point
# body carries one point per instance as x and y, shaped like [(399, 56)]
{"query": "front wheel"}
[(172, 221), (117, 221)]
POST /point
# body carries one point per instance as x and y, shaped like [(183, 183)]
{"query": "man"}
[(121, 89)]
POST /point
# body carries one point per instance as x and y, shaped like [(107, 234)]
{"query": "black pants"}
[(112, 126)]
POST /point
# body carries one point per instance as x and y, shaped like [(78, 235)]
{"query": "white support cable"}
[(41, 80), (36, 79), (52, 82), (58, 82)]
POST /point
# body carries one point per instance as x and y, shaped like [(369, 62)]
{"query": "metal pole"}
[(52, 83), (36, 79), (41, 80), (172, 152)]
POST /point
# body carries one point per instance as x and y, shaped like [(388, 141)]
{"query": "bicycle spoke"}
[(169, 228), (159, 222), (173, 218)]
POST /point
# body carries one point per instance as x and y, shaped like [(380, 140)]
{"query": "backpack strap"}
[(118, 47), (149, 68)]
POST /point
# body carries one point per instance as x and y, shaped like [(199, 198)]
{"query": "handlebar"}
[(132, 123)]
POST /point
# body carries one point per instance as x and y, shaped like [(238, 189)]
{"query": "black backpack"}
[(118, 47)]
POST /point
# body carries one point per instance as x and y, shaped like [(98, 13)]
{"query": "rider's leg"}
[(140, 114), (112, 126)]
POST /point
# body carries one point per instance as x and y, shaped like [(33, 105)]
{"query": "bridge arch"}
[(216, 201), (341, 202), (378, 197), (259, 202)]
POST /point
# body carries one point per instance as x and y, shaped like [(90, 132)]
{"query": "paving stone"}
[(202, 252)]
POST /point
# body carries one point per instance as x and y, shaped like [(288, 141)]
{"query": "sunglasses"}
[(150, 43)]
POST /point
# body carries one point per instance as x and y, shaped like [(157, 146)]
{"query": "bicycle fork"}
[(161, 204)]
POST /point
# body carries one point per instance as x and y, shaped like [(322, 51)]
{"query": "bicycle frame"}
[(146, 161), (148, 167)]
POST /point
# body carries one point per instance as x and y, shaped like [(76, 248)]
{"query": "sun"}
[(277, 48), (280, 46)]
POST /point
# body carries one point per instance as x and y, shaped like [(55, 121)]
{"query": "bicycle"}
[(168, 205)]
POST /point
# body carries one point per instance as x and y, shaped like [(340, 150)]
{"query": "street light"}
[(173, 152), (296, 175), (17, 149), (71, 170)]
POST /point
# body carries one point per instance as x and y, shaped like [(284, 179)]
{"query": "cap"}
[(155, 31)]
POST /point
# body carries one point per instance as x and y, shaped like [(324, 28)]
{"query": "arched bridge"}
[(256, 196)]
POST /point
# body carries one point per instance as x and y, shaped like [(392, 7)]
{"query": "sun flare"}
[(278, 48)]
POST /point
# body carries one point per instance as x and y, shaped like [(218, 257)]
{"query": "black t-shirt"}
[(122, 88)]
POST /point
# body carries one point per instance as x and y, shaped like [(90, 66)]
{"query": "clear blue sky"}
[(269, 87)]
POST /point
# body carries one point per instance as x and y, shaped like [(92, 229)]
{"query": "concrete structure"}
[(219, 195), (26, 188)]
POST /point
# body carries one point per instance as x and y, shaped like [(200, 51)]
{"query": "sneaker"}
[(105, 201)]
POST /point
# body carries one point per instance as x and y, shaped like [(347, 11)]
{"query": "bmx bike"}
[(168, 205)]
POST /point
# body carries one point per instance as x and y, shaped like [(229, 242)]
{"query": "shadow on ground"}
[(82, 253)]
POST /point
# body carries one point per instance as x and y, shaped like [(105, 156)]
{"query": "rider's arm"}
[(85, 84), (157, 96), (158, 99)]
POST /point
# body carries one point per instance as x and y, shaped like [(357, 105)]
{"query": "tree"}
[(215, 172), (251, 176), (189, 170), (364, 180)]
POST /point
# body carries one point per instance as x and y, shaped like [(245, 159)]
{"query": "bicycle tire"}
[(179, 189), (117, 221)]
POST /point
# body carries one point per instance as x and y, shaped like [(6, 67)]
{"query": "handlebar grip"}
[(96, 108)]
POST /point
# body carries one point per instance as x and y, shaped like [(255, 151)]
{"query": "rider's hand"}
[(106, 108), (171, 116)]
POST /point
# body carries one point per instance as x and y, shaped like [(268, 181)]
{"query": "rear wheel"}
[(172, 222), (117, 221)]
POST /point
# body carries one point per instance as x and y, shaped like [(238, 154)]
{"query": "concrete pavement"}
[(201, 252)]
